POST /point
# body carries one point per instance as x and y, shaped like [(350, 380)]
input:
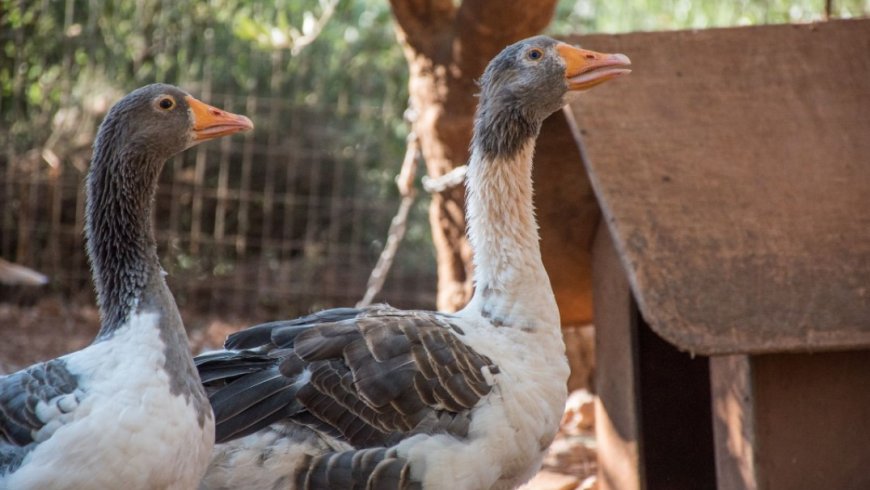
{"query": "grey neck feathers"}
[(502, 127), (121, 247), (121, 185), (511, 285)]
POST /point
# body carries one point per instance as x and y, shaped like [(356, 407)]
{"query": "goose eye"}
[(166, 103), (535, 54)]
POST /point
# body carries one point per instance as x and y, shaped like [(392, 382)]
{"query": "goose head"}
[(137, 136), (161, 120), (527, 82), (535, 74)]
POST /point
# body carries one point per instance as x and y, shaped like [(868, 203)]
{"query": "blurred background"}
[(293, 216), (281, 221)]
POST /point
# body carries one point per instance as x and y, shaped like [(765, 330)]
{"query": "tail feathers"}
[(228, 365), (277, 407), (375, 469), (253, 402)]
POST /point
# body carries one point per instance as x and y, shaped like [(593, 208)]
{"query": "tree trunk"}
[(447, 47)]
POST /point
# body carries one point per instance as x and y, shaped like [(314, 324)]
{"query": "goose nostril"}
[(590, 56)]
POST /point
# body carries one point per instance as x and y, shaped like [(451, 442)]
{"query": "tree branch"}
[(419, 20), (312, 27), (487, 29)]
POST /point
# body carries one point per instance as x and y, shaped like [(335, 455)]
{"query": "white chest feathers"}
[(128, 430), (512, 426)]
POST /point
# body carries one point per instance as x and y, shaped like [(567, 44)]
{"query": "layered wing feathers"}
[(30, 400), (369, 377)]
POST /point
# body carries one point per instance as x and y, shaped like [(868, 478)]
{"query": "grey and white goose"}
[(381, 398), (128, 410)]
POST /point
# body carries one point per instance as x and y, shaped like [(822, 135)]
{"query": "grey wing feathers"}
[(28, 400), (216, 368), (252, 402), (276, 333), (408, 360), (369, 377)]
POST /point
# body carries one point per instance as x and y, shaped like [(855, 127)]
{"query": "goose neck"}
[(511, 284), (120, 239)]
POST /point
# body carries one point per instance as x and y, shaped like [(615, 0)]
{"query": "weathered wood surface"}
[(617, 410), (733, 422), (733, 169), (811, 420)]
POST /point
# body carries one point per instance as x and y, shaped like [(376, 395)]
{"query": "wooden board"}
[(733, 169), (733, 422), (617, 409), (811, 417)]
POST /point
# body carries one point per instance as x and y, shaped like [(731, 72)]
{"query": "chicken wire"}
[(276, 221), (282, 220)]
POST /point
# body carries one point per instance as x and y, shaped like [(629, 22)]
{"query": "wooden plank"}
[(812, 420), (732, 165), (617, 424), (733, 423)]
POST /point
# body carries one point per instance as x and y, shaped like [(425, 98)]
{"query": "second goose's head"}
[(528, 81), (533, 75)]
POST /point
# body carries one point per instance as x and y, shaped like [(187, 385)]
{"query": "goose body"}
[(444, 403), (109, 413), (381, 398), (128, 410)]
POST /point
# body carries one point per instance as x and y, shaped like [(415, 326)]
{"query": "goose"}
[(17, 275), (382, 398), (128, 410)]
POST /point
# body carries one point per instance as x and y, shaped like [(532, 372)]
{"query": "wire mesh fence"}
[(279, 221), (285, 219)]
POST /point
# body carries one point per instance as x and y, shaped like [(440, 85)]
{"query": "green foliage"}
[(334, 102), (585, 16), (333, 108), (54, 52), (57, 53), (50, 47)]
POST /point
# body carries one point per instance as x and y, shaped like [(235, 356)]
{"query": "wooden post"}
[(617, 423), (733, 422)]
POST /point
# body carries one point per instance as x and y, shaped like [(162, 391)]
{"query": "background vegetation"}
[(325, 80)]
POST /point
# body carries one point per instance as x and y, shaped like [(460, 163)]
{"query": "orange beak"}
[(210, 122), (585, 69)]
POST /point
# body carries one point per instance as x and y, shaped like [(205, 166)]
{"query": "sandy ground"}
[(51, 328)]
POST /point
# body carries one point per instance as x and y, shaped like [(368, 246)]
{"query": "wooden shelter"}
[(721, 229)]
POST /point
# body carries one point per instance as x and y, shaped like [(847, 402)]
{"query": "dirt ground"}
[(51, 328)]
